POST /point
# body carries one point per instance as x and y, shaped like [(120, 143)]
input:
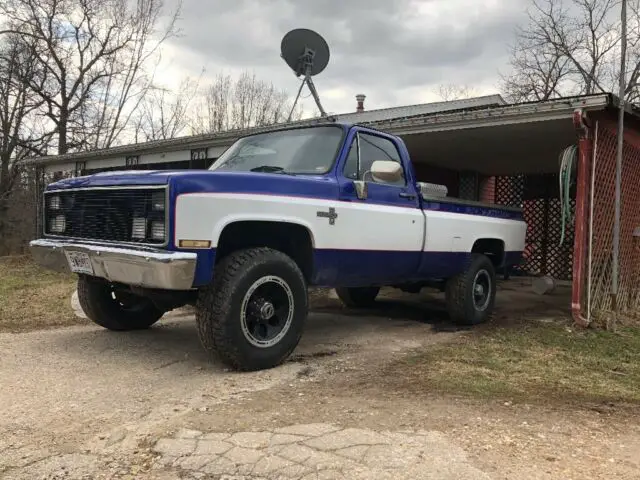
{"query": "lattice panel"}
[(546, 252), (509, 190), (538, 196), (602, 233), (468, 186)]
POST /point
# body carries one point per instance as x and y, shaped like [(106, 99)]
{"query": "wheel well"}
[(492, 248), (289, 238)]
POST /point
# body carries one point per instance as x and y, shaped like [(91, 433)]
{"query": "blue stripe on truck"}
[(353, 268)]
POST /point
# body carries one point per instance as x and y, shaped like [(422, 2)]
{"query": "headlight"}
[(157, 200), (157, 230), (55, 202), (139, 228), (58, 224)]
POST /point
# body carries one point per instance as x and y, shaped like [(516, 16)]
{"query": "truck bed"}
[(471, 203)]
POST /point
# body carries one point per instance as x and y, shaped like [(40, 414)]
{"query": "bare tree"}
[(539, 71), (633, 52), (19, 133), (572, 47), (212, 111), (128, 82), (243, 103), (92, 53), (164, 114), (450, 91)]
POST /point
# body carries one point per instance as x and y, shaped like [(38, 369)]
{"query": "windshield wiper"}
[(270, 168)]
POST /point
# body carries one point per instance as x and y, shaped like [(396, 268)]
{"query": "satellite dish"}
[(307, 54), (303, 47)]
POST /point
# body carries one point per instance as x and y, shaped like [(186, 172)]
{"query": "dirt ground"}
[(81, 402)]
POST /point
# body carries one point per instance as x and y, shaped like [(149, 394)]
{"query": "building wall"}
[(200, 157)]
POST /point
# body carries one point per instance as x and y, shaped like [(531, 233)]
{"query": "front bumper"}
[(148, 268)]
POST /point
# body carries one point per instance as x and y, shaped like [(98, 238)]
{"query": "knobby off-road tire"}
[(471, 294), (123, 313), (253, 314), (361, 297)]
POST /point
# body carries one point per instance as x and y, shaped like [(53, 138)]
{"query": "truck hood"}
[(114, 179), (204, 181)]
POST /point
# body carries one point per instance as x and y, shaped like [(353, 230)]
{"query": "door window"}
[(367, 149)]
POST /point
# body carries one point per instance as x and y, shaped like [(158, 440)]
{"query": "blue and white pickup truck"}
[(332, 205)]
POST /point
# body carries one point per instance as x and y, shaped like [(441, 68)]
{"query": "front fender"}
[(205, 216), (227, 220)]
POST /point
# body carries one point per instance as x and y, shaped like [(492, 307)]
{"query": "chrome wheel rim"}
[(267, 311), (481, 290)]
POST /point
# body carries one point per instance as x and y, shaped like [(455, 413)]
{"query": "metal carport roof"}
[(485, 134)]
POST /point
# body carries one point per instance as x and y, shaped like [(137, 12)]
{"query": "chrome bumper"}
[(145, 267)]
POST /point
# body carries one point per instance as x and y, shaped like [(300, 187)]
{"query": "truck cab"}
[(333, 205)]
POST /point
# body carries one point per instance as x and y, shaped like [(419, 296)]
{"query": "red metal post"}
[(585, 152)]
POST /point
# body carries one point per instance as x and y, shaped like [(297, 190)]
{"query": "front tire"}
[(115, 309), (471, 294), (252, 316), (361, 297)]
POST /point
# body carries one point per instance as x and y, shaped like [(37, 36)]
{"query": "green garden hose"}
[(568, 160)]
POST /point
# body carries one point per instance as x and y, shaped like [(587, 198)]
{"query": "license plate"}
[(79, 262)]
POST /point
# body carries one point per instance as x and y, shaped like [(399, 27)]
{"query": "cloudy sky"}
[(394, 51)]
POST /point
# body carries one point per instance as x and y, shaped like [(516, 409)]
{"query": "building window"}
[(132, 161), (198, 158), (199, 154), (80, 168)]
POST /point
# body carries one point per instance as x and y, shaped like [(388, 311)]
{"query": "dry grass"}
[(32, 298), (541, 362)]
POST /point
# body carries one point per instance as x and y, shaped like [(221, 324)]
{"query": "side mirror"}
[(386, 171), (382, 171)]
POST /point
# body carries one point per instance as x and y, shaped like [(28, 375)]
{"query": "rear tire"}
[(253, 315), (113, 309), (471, 294), (361, 297)]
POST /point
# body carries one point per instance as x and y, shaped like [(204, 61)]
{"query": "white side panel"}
[(107, 163), (165, 157), (358, 226), (60, 167), (458, 232)]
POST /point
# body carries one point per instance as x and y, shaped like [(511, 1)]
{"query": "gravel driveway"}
[(82, 402)]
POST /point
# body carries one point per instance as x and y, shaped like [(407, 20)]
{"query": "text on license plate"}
[(79, 262)]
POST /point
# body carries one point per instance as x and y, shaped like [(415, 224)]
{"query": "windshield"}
[(302, 150)]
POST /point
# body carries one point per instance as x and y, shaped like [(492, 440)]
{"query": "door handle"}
[(409, 196)]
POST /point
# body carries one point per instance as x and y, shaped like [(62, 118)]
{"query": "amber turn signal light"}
[(194, 243)]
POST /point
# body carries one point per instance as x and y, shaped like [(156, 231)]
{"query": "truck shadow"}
[(398, 308), (330, 328)]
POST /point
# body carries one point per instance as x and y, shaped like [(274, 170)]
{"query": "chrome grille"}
[(125, 215)]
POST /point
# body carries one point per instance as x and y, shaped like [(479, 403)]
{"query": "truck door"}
[(385, 230)]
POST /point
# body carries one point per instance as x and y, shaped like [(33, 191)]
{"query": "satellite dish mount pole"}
[(305, 67)]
